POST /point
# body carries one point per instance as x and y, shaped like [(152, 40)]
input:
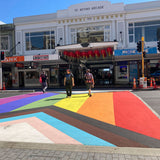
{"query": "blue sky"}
[(19, 8)]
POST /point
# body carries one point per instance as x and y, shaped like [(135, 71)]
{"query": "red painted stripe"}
[(132, 114)]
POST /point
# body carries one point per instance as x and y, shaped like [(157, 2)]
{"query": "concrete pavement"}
[(34, 151), (38, 151)]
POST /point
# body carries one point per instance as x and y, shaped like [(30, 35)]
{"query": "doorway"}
[(21, 79)]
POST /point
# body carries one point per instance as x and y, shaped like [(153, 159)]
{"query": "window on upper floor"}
[(90, 34), (40, 40), (4, 42), (150, 30)]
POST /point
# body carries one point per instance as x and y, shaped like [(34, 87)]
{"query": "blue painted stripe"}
[(79, 135), (7, 107)]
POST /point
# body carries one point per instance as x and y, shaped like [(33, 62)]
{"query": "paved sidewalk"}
[(32, 151)]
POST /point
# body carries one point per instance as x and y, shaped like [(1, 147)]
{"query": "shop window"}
[(122, 72), (32, 77), (54, 76)]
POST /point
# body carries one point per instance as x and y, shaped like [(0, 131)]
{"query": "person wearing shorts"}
[(89, 80)]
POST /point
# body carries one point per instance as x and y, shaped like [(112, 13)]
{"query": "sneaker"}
[(89, 95)]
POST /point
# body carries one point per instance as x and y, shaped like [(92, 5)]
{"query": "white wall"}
[(117, 15)]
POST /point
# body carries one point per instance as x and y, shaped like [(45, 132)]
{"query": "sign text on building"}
[(14, 59), (89, 8), (40, 57)]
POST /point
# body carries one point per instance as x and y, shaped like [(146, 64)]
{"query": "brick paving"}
[(32, 151), (37, 154)]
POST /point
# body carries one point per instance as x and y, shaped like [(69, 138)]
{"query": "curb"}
[(13, 91), (83, 148)]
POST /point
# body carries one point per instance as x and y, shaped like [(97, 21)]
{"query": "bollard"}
[(154, 84), (134, 83), (151, 84), (4, 87)]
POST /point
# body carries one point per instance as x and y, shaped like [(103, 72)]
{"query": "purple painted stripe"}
[(14, 98), (21, 102)]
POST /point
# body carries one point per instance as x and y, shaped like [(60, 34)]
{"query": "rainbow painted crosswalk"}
[(120, 109)]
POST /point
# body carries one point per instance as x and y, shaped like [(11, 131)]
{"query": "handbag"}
[(40, 79)]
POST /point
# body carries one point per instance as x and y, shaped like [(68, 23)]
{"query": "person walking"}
[(69, 83), (89, 80), (44, 81)]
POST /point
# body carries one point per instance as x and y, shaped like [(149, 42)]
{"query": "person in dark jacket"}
[(44, 81), (69, 82)]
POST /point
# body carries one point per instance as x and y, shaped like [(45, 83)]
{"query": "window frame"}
[(51, 35)]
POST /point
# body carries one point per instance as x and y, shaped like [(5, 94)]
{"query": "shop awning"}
[(85, 46)]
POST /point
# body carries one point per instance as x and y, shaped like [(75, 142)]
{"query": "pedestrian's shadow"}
[(54, 99), (80, 96)]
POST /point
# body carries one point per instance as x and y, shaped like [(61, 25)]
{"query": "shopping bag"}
[(40, 79)]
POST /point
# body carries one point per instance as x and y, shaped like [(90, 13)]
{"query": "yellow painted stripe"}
[(72, 104), (99, 106)]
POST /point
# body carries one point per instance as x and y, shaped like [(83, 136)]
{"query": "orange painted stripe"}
[(100, 107)]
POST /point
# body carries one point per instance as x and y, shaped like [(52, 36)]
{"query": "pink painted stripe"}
[(50, 132), (14, 98)]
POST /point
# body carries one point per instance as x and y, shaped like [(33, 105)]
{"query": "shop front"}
[(98, 57), (154, 66), (129, 65), (29, 76), (24, 71)]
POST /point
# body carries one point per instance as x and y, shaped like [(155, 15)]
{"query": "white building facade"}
[(41, 39)]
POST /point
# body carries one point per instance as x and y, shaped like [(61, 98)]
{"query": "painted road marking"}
[(77, 134), (14, 98), (72, 104), (132, 114), (99, 107), (21, 102), (49, 101), (47, 130)]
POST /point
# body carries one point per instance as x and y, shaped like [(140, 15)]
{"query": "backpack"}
[(89, 77)]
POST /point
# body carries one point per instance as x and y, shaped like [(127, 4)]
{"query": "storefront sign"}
[(40, 58), (125, 52), (19, 65), (14, 59)]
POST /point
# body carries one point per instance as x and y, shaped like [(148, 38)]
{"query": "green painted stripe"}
[(43, 102)]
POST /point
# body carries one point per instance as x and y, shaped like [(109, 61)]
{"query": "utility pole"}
[(0, 75), (142, 41)]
